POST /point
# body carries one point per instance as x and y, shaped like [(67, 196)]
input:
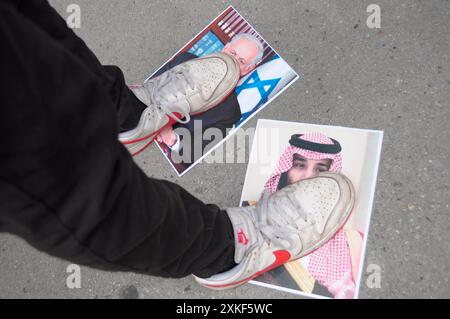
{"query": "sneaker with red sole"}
[(190, 88), (284, 226), (153, 120)]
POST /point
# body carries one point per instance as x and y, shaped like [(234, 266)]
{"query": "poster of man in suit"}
[(264, 75)]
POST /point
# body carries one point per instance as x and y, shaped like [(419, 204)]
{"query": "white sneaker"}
[(153, 120), (189, 88), (285, 226)]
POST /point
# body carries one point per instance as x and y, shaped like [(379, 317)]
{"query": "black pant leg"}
[(69, 187), (40, 13)]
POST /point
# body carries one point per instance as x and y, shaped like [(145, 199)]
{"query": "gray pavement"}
[(395, 79)]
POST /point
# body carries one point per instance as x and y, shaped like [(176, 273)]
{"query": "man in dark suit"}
[(248, 51)]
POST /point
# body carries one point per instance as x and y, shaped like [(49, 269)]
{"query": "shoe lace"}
[(172, 82), (281, 222)]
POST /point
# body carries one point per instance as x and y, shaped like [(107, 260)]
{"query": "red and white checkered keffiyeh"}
[(331, 263)]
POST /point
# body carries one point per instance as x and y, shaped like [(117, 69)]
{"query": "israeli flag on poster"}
[(263, 83)]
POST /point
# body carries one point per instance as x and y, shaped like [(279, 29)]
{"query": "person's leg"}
[(40, 13), (69, 187)]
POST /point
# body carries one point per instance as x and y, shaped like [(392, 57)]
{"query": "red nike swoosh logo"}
[(242, 239), (281, 257)]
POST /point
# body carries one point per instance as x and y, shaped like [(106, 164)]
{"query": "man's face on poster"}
[(303, 168), (244, 51)]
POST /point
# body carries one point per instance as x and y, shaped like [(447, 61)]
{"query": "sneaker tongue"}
[(140, 93)]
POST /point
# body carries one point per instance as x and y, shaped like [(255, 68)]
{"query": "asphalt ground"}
[(395, 79)]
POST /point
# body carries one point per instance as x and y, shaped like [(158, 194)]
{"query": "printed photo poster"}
[(264, 75), (333, 270)]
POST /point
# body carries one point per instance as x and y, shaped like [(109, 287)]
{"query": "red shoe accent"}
[(281, 257), (242, 239), (151, 137), (170, 122)]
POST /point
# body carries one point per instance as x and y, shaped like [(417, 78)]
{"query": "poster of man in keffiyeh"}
[(285, 153)]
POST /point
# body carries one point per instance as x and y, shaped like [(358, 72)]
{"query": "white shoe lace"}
[(171, 82), (281, 222)]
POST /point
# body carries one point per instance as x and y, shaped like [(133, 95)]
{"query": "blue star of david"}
[(265, 87)]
